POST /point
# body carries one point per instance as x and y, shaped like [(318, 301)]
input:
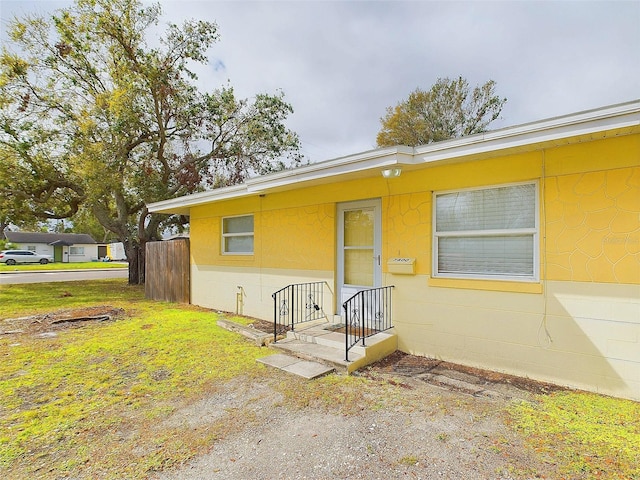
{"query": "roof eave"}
[(181, 205), (372, 159), (584, 123), (604, 119), (380, 158)]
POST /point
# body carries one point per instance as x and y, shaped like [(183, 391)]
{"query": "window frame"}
[(533, 232), (224, 236), (73, 250)]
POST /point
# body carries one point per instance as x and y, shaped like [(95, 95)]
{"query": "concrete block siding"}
[(579, 335)]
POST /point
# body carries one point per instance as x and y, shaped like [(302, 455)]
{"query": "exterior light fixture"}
[(391, 172)]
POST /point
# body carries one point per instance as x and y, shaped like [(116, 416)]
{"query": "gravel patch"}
[(434, 432)]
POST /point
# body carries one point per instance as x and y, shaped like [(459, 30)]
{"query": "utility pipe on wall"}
[(240, 300)]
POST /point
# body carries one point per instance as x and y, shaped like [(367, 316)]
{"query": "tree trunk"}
[(137, 261), (142, 261), (131, 251)]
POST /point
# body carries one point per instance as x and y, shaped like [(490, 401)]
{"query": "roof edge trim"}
[(590, 121)]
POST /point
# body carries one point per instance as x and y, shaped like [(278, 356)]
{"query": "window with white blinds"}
[(237, 235), (487, 233)]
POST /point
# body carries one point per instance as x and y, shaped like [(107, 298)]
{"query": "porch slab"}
[(315, 351), (303, 368)]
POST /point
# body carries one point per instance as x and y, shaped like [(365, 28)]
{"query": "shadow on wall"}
[(589, 339), (595, 328)]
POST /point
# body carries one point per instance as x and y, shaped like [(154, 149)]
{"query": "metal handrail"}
[(297, 303), (366, 313)]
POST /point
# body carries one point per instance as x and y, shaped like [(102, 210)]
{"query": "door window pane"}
[(358, 228), (358, 267)]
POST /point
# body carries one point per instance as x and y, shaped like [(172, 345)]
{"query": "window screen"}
[(237, 235), (487, 233)]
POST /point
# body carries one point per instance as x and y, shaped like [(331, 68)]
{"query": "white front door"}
[(359, 248)]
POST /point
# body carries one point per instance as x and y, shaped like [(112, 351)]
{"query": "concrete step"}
[(296, 366), (316, 352), (260, 338), (319, 336), (318, 344)]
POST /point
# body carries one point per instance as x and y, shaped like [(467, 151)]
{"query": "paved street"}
[(7, 278)]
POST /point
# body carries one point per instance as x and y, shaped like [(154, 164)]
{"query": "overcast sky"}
[(340, 64)]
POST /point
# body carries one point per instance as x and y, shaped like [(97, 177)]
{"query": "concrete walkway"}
[(295, 365)]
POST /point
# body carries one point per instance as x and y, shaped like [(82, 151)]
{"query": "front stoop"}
[(319, 344)]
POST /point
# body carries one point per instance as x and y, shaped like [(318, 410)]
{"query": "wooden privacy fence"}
[(167, 271)]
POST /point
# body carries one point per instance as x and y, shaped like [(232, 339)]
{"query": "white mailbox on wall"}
[(402, 266)]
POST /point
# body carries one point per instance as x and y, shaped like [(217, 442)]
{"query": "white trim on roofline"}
[(380, 158), (582, 123), (199, 198)]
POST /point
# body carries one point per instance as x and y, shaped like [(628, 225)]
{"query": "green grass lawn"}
[(90, 401), (66, 400), (584, 434), (60, 266)]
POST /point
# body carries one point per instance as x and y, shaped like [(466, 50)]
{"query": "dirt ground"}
[(435, 432), (47, 324), (449, 422)]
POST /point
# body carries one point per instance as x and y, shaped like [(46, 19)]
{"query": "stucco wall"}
[(579, 325), (291, 245), (593, 229), (584, 335)]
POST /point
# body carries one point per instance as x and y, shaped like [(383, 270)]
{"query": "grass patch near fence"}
[(30, 298), (61, 266), (90, 402), (586, 435)]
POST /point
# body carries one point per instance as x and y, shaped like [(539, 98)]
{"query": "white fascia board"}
[(380, 158), (583, 123), (574, 125), (200, 198)]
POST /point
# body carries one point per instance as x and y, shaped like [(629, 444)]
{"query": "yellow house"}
[(516, 250)]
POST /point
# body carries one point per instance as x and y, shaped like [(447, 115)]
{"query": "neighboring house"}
[(115, 251), (516, 250), (64, 247)]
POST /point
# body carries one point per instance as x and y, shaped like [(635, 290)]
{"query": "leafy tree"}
[(92, 116), (85, 222), (12, 211), (449, 109), (6, 244)]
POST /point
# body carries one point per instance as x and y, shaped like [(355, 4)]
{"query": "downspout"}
[(546, 341)]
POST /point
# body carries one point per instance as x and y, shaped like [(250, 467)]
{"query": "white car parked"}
[(12, 257)]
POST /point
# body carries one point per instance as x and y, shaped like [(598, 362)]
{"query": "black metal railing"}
[(297, 303), (366, 313)]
